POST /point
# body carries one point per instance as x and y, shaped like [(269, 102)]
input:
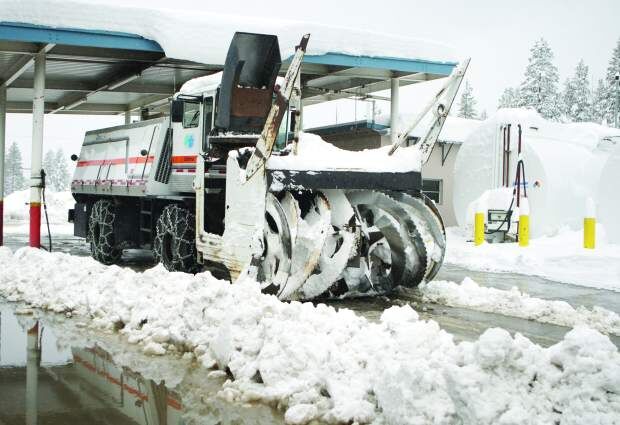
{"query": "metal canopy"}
[(102, 72)]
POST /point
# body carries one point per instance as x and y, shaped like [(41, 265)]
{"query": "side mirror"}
[(176, 111), (74, 157), (144, 152)]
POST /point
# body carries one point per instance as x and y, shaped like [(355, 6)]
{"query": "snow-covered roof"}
[(204, 37), (455, 129)]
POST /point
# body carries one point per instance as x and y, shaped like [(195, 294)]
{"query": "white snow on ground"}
[(16, 206), (17, 210), (204, 37), (561, 258), (518, 304), (319, 363)]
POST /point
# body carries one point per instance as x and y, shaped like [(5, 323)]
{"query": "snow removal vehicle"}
[(227, 181)]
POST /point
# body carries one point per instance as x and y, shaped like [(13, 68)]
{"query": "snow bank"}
[(333, 366), (16, 206), (563, 163), (314, 153), (518, 304), (561, 258), (204, 37)]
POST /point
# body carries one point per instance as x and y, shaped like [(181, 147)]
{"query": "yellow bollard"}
[(479, 226), (524, 223), (589, 225)]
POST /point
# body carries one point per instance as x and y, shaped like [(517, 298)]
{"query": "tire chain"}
[(178, 222), (103, 248)]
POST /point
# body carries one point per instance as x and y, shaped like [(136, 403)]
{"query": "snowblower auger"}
[(339, 231)]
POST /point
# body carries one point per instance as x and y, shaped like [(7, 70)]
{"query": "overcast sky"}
[(496, 34)]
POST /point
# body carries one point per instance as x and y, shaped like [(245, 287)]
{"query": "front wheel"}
[(175, 244), (103, 247)]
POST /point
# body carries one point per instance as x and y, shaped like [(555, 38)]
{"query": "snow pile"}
[(314, 153), (204, 37), (319, 363), (518, 304), (561, 258), (17, 207)]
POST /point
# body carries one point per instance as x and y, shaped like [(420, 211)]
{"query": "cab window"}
[(208, 108), (283, 132), (191, 114)]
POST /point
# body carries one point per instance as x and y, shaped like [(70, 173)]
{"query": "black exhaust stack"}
[(252, 65)]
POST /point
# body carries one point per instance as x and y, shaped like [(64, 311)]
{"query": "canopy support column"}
[(33, 359), (394, 99), (38, 110), (127, 117), (2, 146)]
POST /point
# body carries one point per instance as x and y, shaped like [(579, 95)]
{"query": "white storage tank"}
[(608, 198), (563, 163)]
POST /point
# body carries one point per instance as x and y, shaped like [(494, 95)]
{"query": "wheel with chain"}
[(103, 246), (175, 240)]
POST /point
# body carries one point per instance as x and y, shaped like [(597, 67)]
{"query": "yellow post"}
[(479, 226), (589, 225), (524, 223)]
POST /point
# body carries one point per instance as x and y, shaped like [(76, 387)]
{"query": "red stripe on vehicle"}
[(116, 161), (184, 159)]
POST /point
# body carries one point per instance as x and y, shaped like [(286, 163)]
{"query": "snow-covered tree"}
[(49, 166), (483, 115), (509, 98), (577, 95), (467, 105), (599, 102), (539, 89), (55, 166), (61, 178), (611, 102), (14, 179)]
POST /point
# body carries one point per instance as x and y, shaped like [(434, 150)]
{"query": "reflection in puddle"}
[(101, 379)]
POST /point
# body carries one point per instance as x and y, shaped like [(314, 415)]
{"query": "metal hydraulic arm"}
[(440, 104)]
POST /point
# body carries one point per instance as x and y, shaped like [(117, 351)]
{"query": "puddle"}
[(56, 371)]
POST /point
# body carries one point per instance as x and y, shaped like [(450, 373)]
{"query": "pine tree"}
[(611, 102), (467, 106), (599, 102), (61, 177), (509, 98), (13, 172), (49, 166), (577, 95), (483, 115), (539, 89)]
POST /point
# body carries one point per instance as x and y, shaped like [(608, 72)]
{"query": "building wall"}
[(433, 169), (354, 141)]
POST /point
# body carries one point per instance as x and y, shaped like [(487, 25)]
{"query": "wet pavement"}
[(54, 371)]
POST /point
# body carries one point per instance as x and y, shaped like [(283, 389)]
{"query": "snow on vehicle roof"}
[(200, 85), (204, 36)]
